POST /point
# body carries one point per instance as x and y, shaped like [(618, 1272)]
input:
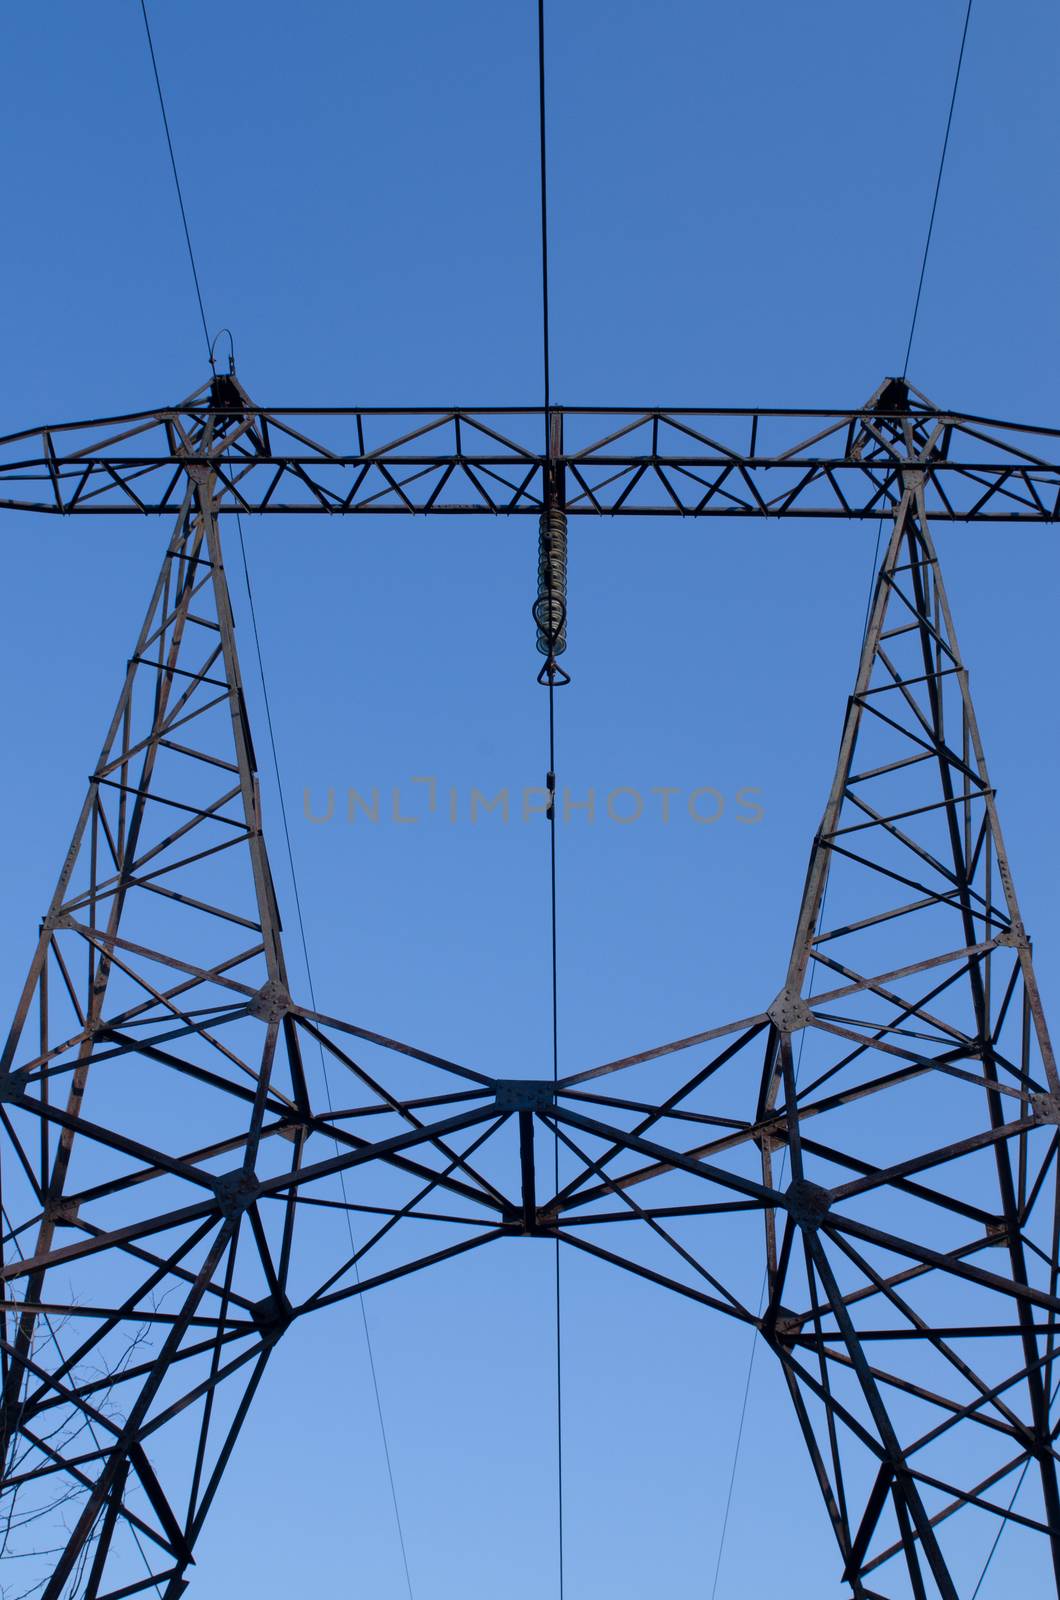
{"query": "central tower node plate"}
[(524, 1094)]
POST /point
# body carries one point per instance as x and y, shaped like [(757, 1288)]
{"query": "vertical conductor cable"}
[(550, 607), (543, 174), (550, 615), (555, 1147)]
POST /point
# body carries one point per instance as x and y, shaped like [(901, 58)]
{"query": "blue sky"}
[(739, 199)]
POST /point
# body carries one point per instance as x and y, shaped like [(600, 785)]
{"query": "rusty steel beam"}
[(601, 461)]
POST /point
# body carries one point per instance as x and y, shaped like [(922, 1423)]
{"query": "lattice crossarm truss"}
[(674, 461)]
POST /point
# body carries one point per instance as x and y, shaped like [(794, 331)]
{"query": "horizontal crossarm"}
[(615, 461)]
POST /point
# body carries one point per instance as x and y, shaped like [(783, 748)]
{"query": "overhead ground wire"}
[(323, 1061), (296, 895), (938, 188), (872, 581), (176, 173)]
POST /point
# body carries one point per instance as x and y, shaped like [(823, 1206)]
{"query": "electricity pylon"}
[(902, 1148), (180, 1187)]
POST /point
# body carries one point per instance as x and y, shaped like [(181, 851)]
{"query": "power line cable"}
[(938, 187), (754, 1338), (286, 827), (551, 681), (543, 167), (206, 335), (555, 1151), (992, 1552), (323, 1062), (872, 583), (176, 174), (997, 1537)]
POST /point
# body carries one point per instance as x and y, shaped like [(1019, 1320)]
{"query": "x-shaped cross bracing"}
[(865, 1171)]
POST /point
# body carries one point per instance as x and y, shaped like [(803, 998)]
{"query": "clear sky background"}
[(739, 201)]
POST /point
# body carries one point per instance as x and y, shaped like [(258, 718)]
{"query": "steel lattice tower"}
[(883, 1133)]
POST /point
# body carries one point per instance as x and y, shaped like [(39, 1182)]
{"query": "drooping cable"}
[(765, 1276), (938, 187), (754, 1338), (783, 1170), (992, 1552), (154, 1584), (550, 673), (176, 176), (868, 606), (283, 813), (323, 1060), (1014, 1496), (927, 248)]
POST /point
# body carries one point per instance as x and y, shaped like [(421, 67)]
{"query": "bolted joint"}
[(770, 1136), (807, 1202), (13, 1085), (786, 1325), (63, 1212), (271, 1002), (541, 1225), (523, 1094), (273, 1314), (235, 1192), (789, 1012), (1046, 1108)]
